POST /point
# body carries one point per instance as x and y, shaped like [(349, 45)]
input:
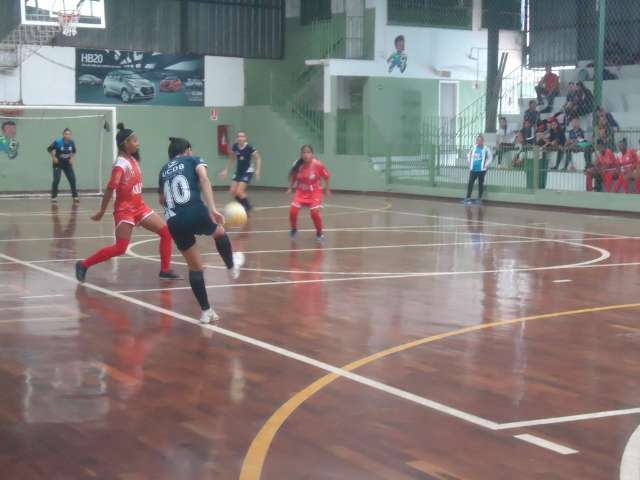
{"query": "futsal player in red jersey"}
[(129, 208), (628, 163), (603, 169), (306, 178)]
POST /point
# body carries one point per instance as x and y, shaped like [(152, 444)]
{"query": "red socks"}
[(104, 254), (317, 220), (293, 217), (165, 249), (315, 216)]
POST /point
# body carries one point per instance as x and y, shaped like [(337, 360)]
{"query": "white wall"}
[(224, 82), (431, 51), (48, 78)]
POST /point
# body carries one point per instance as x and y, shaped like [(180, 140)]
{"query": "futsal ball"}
[(235, 215)]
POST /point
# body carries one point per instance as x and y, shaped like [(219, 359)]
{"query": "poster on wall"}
[(139, 78), (398, 59), (9, 144)]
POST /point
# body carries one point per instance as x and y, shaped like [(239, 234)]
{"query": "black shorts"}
[(185, 226), (244, 177)]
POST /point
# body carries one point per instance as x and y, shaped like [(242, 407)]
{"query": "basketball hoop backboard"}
[(46, 12)]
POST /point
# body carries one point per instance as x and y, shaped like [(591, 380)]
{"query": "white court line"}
[(33, 297), (403, 394), (44, 319), (566, 280), (630, 463), (487, 222), (541, 442), (569, 418)]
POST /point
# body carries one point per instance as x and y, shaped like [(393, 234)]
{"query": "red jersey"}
[(606, 160), (126, 180), (308, 182), (551, 82), (628, 161)]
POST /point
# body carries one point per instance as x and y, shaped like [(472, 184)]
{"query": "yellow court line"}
[(254, 460)]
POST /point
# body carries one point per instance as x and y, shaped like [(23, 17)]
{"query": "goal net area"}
[(26, 166)]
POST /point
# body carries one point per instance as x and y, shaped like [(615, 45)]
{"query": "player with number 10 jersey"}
[(182, 185)]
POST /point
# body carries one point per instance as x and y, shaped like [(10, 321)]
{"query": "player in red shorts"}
[(129, 209), (306, 177), (603, 169), (628, 163)]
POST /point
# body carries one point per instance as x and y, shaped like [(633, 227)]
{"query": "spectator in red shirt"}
[(549, 87), (602, 170)]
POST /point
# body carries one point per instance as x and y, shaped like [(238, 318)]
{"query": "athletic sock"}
[(244, 202), (165, 249), (317, 220), (104, 254), (223, 244), (196, 280), (293, 217)]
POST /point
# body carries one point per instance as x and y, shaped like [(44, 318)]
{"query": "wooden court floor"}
[(421, 340)]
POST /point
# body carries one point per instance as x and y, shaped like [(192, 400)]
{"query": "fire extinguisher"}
[(223, 139)]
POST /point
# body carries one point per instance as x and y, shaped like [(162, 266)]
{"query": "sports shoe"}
[(169, 275), (209, 316), (54, 200), (293, 233), (467, 201), (319, 237), (76, 200), (81, 271), (238, 262)]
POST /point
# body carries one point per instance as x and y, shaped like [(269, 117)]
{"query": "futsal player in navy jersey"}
[(186, 194), (248, 163), (63, 153)]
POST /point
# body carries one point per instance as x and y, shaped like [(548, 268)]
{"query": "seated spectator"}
[(521, 150), (627, 160), (584, 99), (528, 133), (556, 141), (577, 142), (569, 108), (504, 139), (549, 88), (532, 114), (605, 133), (602, 170), (607, 117)]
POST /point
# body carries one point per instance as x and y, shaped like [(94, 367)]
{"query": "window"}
[(431, 13), (508, 17), (313, 10)]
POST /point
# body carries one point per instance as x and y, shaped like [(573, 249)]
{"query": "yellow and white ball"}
[(235, 215)]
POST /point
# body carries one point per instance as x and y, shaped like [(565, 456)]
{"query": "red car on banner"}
[(171, 84)]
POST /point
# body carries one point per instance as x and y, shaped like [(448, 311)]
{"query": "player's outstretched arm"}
[(258, 158), (225, 172), (106, 199), (327, 186)]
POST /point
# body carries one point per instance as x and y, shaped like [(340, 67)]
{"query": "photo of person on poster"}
[(398, 58), (8, 143)]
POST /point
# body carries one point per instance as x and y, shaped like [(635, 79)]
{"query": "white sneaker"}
[(238, 262), (209, 316)]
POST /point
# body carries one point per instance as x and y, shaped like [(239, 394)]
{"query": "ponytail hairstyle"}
[(296, 166), (178, 146), (122, 136)]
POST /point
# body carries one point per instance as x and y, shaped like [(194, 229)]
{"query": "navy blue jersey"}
[(244, 158), (63, 151), (179, 183)]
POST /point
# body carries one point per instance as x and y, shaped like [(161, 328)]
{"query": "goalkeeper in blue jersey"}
[(398, 58), (8, 143)]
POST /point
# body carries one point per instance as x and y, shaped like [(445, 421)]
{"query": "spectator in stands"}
[(604, 132), (556, 142), (584, 100), (480, 158), (528, 133), (520, 152), (628, 166), (607, 117), (549, 88), (568, 110), (576, 142), (504, 139), (532, 114), (602, 170)]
